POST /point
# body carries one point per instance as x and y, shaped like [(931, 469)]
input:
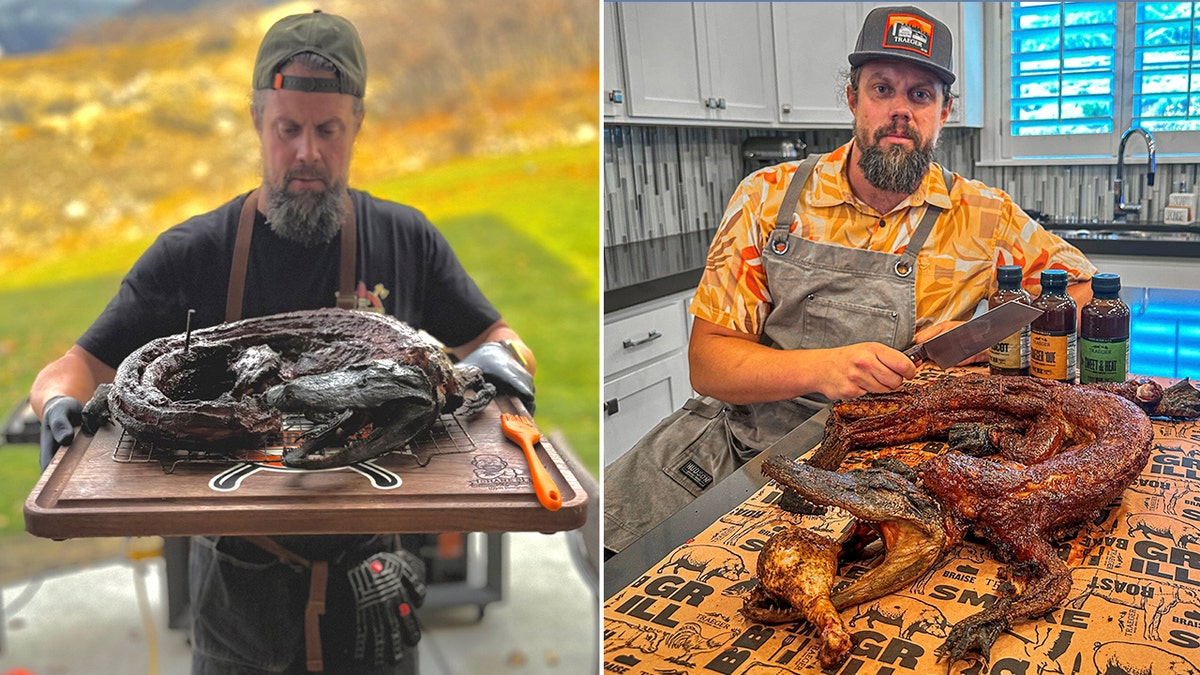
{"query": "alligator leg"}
[(978, 632)]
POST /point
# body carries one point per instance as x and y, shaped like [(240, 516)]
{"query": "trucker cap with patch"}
[(908, 34), (325, 34)]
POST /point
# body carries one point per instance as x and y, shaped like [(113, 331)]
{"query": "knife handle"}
[(917, 354)]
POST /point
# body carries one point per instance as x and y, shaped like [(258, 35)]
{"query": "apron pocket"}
[(706, 455), (687, 452), (827, 323)]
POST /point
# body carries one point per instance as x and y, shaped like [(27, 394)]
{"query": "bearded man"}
[(823, 270), (302, 240)]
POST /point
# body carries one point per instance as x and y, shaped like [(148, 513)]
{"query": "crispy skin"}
[(798, 568), (1022, 509), (207, 393), (1065, 452)]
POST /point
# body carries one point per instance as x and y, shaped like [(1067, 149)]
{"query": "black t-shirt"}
[(404, 265)]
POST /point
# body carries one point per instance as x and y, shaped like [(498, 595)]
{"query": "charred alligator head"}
[(396, 399)]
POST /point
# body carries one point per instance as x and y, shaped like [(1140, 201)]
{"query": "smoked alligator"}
[(227, 387), (1060, 454)]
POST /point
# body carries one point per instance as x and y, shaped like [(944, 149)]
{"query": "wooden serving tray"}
[(463, 475)]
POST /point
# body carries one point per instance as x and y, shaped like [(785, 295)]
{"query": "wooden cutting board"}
[(463, 475)]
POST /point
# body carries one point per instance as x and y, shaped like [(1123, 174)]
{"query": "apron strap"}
[(345, 296), (777, 241), (784, 220), (908, 259), (241, 257), (318, 582)]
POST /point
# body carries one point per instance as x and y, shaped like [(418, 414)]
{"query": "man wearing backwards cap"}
[(249, 597), (791, 313)]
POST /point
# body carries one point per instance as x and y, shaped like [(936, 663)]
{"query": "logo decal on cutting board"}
[(231, 478)]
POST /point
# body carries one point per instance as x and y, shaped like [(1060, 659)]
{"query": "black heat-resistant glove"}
[(60, 415), (501, 368), (388, 588)]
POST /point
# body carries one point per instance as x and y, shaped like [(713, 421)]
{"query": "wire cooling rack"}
[(445, 437)]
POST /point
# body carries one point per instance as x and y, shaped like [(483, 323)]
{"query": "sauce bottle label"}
[(1011, 353), (1052, 356), (1103, 360)]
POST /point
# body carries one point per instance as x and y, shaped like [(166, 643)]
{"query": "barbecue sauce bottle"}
[(1010, 356), (1104, 333), (1052, 336)]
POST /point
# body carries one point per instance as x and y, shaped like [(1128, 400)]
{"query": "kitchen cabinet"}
[(613, 87), (645, 369), (811, 88), (698, 61), (762, 65)]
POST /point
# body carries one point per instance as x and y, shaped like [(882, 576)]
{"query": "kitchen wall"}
[(665, 189), (1074, 194)]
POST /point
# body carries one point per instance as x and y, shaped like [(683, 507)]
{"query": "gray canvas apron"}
[(824, 295)]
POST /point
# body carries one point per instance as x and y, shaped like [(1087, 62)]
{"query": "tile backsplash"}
[(665, 190), (666, 187)]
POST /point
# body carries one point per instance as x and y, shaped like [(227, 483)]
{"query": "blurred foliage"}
[(144, 122)]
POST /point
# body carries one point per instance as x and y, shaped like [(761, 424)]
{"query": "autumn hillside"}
[(134, 125)]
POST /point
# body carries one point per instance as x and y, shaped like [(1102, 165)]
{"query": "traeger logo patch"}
[(905, 31), (697, 475)]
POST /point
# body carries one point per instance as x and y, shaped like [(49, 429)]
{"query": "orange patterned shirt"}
[(981, 229)]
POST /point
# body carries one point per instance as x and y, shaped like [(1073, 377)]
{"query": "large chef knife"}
[(974, 336)]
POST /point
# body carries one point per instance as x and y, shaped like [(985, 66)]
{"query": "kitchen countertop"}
[(1131, 238), (635, 294), (632, 562)]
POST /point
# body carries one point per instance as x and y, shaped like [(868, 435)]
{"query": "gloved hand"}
[(388, 588), (60, 415), (502, 369)]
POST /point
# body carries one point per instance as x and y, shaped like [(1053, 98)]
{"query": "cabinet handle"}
[(710, 103), (629, 343), (616, 96), (721, 103), (787, 108), (612, 406)]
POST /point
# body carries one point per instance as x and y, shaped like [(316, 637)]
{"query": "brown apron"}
[(823, 295), (318, 569)]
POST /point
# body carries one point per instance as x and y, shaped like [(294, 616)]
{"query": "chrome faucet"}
[(1120, 208)]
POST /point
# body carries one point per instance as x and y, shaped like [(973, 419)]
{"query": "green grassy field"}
[(525, 227)]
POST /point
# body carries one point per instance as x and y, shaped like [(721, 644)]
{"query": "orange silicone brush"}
[(521, 430)]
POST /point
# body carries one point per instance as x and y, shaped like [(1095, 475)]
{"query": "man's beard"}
[(307, 217), (895, 169)]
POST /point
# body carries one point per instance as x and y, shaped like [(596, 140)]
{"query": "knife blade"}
[(974, 336)]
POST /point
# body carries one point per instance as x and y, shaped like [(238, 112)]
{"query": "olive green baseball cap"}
[(328, 35)]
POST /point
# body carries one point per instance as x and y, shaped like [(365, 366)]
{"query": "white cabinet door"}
[(661, 54), (635, 402), (811, 88), (613, 88), (810, 82), (701, 61), (740, 60), (646, 373)]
